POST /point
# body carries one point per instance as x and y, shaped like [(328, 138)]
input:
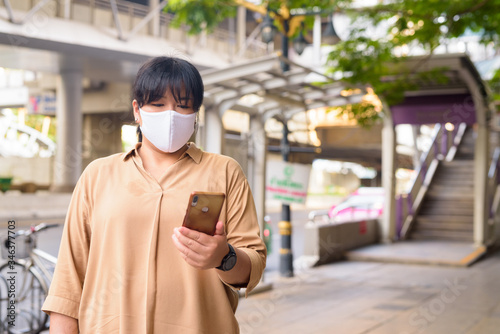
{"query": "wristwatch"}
[(229, 260)]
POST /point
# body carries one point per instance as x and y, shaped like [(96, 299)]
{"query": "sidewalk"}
[(351, 297), (26, 208), (378, 298)]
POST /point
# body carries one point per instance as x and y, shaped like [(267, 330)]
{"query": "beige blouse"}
[(118, 270)]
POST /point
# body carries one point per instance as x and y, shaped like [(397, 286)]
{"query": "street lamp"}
[(268, 30), (268, 33), (330, 35), (300, 43)]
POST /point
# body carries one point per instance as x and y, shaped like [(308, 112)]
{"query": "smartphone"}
[(203, 211)]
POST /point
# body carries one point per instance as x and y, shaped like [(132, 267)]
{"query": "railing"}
[(457, 139), (494, 187), (444, 147), (129, 19), (22, 140)]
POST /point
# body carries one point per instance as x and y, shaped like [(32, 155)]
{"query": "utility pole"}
[(290, 23)]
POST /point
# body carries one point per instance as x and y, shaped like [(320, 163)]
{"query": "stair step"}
[(445, 219), (464, 157), (460, 171), (445, 211), (455, 169), (438, 189), (458, 167), (420, 226), (435, 194), (448, 202), (454, 175), (449, 235), (457, 163), (453, 184), (469, 181)]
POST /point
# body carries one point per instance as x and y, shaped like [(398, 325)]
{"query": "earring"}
[(136, 120)]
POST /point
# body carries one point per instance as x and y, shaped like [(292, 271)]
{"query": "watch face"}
[(230, 262)]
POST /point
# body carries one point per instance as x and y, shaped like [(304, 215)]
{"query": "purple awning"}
[(458, 108)]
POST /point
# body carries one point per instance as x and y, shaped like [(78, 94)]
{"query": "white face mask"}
[(167, 130)]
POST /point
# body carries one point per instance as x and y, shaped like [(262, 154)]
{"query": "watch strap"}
[(228, 256)]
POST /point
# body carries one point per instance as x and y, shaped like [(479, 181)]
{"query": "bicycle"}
[(24, 282)]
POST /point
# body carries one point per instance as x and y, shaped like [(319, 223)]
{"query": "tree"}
[(207, 14), (366, 59), (413, 24)]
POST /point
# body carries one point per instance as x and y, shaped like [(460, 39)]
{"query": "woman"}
[(125, 264)]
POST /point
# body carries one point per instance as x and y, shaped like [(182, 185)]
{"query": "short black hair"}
[(162, 73)]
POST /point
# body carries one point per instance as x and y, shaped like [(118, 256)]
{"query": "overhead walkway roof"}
[(463, 97), (276, 94), (46, 43)]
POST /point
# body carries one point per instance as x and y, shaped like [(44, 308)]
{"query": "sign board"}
[(287, 182), (14, 97), (44, 104)]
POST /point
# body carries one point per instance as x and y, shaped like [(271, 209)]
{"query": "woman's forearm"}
[(62, 324)]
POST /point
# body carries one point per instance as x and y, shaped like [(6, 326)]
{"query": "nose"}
[(170, 105)]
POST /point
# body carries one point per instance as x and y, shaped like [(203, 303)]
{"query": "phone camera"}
[(195, 200)]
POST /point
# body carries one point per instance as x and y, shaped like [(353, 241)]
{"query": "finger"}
[(187, 254), (190, 257), (219, 228), (192, 244), (197, 236)]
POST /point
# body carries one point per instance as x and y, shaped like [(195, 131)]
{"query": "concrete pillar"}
[(102, 135), (65, 9), (388, 225), (155, 21), (317, 40), (481, 210), (257, 166), (241, 27), (214, 130), (68, 162)]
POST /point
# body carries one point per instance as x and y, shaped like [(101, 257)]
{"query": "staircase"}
[(447, 210)]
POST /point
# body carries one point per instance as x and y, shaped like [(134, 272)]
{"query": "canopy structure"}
[(462, 98), (282, 94), (260, 89)]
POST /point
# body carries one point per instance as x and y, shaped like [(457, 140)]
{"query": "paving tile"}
[(452, 321), (400, 323), (486, 326), (375, 298)]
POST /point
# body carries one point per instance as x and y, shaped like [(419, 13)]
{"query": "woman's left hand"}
[(200, 250)]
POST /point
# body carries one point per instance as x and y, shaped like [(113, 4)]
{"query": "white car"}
[(365, 203)]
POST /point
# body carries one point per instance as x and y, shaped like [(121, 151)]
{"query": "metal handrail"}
[(492, 172), (456, 142), (313, 216), (421, 181), (494, 182)]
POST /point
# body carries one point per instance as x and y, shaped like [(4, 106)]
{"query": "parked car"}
[(364, 203)]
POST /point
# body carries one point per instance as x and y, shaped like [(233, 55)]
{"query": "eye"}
[(157, 104), (183, 106)]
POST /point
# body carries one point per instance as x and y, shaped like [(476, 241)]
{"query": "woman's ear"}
[(137, 114)]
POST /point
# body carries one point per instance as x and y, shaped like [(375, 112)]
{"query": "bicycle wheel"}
[(22, 293)]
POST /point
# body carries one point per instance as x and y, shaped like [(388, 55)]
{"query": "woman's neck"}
[(156, 161)]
